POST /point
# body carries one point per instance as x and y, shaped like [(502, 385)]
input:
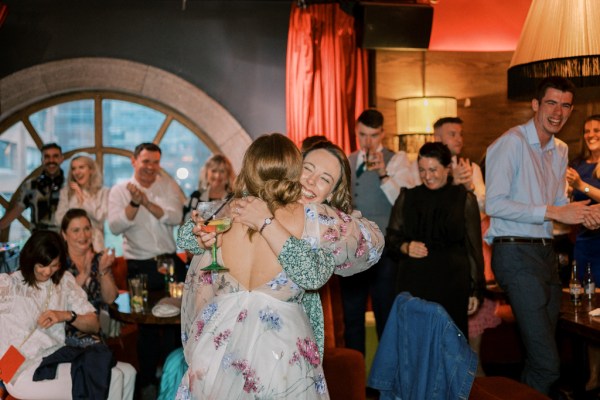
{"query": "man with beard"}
[(40, 193)]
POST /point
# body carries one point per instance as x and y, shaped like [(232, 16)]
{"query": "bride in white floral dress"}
[(245, 332)]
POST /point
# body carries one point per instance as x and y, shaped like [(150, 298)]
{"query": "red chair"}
[(344, 368)]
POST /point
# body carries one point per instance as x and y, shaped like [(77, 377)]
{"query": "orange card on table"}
[(10, 363)]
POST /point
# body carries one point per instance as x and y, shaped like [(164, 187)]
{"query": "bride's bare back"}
[(251, 262)]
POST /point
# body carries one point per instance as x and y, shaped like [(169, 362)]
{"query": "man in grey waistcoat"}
[(375, 187)]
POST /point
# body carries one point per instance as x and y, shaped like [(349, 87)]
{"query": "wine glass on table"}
[(216, 218)]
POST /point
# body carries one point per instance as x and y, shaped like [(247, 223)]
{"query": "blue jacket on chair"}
[(422, 354)]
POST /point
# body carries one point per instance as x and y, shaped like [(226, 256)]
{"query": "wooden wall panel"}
[(480, 77)]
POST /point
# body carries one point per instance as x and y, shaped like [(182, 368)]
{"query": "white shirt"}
[(96, 207), (146, 236), (21, 305), (403, 173)]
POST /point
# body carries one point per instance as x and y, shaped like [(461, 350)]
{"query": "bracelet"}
[(134, 204), (382, 177), (265, 224)]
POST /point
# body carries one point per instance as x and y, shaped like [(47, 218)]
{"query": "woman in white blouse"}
[(36, 302), (84, 190)]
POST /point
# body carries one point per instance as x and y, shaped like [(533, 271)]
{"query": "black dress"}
[(447, 220)]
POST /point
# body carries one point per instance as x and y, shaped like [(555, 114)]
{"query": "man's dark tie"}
[(361, 168)]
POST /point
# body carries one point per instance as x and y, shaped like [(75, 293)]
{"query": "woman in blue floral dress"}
[(245, 332)]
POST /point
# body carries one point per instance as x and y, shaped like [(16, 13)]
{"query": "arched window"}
[(105, 107), (105, 125)]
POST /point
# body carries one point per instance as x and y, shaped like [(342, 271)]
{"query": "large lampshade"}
[(560, 37), (416, 115)]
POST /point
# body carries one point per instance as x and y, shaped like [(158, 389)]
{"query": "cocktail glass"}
[(217, 218)]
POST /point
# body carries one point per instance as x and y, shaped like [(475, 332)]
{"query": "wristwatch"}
[(73, 317), (586, 189), (265, 224)]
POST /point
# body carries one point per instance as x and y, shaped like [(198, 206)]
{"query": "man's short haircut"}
[(447, 120), (371, 118), (145, 146), (554, 82), (49, 146)]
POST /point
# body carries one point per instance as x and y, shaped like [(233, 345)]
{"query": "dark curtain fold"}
[(326, 75)]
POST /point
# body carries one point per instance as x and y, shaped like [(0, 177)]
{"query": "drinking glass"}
[(144, 284), (135, 295), (216, 218)]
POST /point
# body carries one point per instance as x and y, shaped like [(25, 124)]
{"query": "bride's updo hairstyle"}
[(271, 171)]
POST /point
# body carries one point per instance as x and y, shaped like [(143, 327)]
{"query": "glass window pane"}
[(71, 124), (183, 154), (18, 139), (8, 155), (32, 158), (126, 124), (18, 233), (116, 169)]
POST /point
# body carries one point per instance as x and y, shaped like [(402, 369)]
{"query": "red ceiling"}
[(480, 25)]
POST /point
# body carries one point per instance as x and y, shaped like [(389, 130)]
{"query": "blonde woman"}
[(84, 190), (216, 183)]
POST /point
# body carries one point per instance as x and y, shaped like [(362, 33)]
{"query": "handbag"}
[(10, 363)]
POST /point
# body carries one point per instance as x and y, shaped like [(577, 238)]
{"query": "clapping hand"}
[(106, 261), (592, 219), (462, 173), (573, 178), (78, 192), (138, 196)]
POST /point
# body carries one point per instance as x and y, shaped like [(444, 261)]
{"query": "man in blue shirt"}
[(525, 193)]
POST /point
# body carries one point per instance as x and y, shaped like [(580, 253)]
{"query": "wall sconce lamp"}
[(415, 117)]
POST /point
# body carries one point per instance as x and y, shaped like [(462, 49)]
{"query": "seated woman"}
[(84, 190), (93, 273), (36, 302)]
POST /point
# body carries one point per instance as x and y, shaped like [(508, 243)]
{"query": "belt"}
[(516, 239)]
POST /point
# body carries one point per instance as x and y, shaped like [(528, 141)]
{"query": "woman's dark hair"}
[(42, 248), (436, 150), (72, 214), (340, 195)]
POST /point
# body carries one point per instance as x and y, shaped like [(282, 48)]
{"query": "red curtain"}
[(326, 75)]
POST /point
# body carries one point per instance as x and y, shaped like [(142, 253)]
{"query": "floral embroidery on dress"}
[(242, 315), (320, 384), (278, 282), (209, 311), (361, 247), (251, 381), (270, 318), (332, 235), (308, 350), (220, 339)]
